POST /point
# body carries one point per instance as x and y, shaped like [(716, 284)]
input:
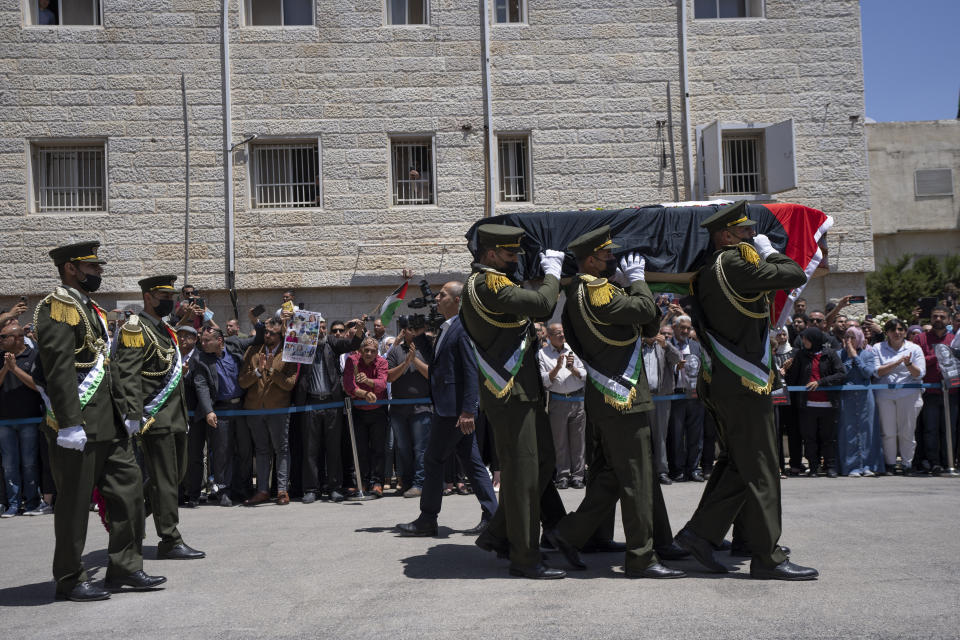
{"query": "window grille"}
[(56, 13), (285, 176), (507, 11), (742, 165), (408, 11), (412, 164), (514, 169), (69, 178)]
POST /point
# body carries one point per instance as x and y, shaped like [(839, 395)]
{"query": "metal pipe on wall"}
[(491, 208), (685, 102), (186, 210), (228, 158)]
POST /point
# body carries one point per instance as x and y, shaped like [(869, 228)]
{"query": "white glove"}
[(620, 278), (633, 267), (763, 245), (133, 426), (72, 438), (552, 262)]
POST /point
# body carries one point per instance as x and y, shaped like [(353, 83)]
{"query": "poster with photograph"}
[(301, 337)]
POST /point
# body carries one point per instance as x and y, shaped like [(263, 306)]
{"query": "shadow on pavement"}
[(460, 562), (28, 595), (442, 532)]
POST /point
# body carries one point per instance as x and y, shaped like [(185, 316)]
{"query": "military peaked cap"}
[(79, 252), (591, 242), (501, 236), (734, 215), (157, 283)]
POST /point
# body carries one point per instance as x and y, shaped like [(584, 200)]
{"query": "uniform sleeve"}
[(127, 364), (537, 303), (637, 307), (56, 342), (773, 274)]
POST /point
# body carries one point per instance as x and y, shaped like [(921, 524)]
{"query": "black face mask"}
[(510, 269), (91, 282), (163, 308), (610, 269)]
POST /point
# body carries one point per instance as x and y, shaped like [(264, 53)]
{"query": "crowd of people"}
[(252, 459)]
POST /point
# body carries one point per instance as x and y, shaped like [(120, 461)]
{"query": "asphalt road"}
[(885, 548)]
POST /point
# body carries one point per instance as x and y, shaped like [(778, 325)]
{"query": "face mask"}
[(163, 308), (610, 269), (510, 268), (91, 282)]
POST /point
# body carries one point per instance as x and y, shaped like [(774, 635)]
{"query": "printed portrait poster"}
[(301, 337)]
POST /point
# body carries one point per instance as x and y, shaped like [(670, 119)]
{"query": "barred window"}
[(69, 178), (411, 162), (56, 13), (742, 164), (408, 11), (507, 11), (285, 175), (514, 164), (278, 13), (727, 9)]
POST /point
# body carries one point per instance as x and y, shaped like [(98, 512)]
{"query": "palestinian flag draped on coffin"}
[(670, 238)]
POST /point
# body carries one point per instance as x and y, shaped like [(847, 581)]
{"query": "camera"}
[(427, 300)]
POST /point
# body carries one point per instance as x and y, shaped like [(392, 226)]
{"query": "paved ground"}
[(886, 549)]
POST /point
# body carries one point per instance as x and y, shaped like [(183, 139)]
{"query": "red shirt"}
[(816, 396), (376, 372), (927, 341)]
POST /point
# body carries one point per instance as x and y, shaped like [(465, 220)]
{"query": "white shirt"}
[(443, 334), (900, 374), (565, 382)]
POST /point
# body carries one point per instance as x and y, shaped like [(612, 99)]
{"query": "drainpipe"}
[(229, 248), (685, 102), (491, 208)]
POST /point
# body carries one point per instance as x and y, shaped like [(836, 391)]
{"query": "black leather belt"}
[(568, 395)]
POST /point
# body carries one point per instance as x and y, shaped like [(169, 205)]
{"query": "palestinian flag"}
[(389, 306), (669, 238)]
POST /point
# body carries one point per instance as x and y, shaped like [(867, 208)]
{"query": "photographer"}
[(192, 309), (408, 372)]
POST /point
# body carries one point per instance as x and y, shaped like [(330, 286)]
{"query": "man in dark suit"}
[(218, 389), (321, 383), (453, 388)]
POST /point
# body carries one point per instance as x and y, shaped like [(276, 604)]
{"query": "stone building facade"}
[(376, 130)]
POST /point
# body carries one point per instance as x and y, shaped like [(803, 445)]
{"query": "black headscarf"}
[(816, 338)]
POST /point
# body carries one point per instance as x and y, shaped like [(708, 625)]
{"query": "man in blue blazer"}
[(453, 388)]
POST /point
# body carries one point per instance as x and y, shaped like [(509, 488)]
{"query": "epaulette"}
[(131, 333), (748, 253), (63, 307), (496, 280), (599, 290)]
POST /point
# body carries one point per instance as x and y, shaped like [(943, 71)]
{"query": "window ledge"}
[(746, 19), (51, 27), (283, 209), (278, 27)]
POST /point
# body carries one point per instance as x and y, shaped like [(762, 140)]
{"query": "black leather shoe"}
[(180, 552), (657, 571), (723, 546), (700, 549), (477, 530), (562, 484), (577, 483), (673, 551), (831, 473), (137, 581), (417, 529), (568, 550), (664, 479), (489, 542), (786, 570), (604, 546), (84, 592), (697, 476), (539, 572)]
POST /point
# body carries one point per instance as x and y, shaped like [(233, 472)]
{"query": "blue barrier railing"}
[(401, 401)]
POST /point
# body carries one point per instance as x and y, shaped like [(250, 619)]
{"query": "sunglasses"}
[(818, 320), (337, 330), (275, 334)]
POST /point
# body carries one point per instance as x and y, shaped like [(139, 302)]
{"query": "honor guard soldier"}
[(604, 325), (152, 400), (733, 295), (497, 315), (88, 444)]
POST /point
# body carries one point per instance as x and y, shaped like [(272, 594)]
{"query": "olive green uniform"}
[(732, 294), (607, 329), (68, 348), (146, 355), (496, 314)]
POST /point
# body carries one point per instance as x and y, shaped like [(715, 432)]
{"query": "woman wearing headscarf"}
[(899, 361), (815, 366), (859, 450)]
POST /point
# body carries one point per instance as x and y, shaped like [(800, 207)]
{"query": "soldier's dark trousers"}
[(111, 467), (165, 456), (524, 443), (621, 469), (746, 477)]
